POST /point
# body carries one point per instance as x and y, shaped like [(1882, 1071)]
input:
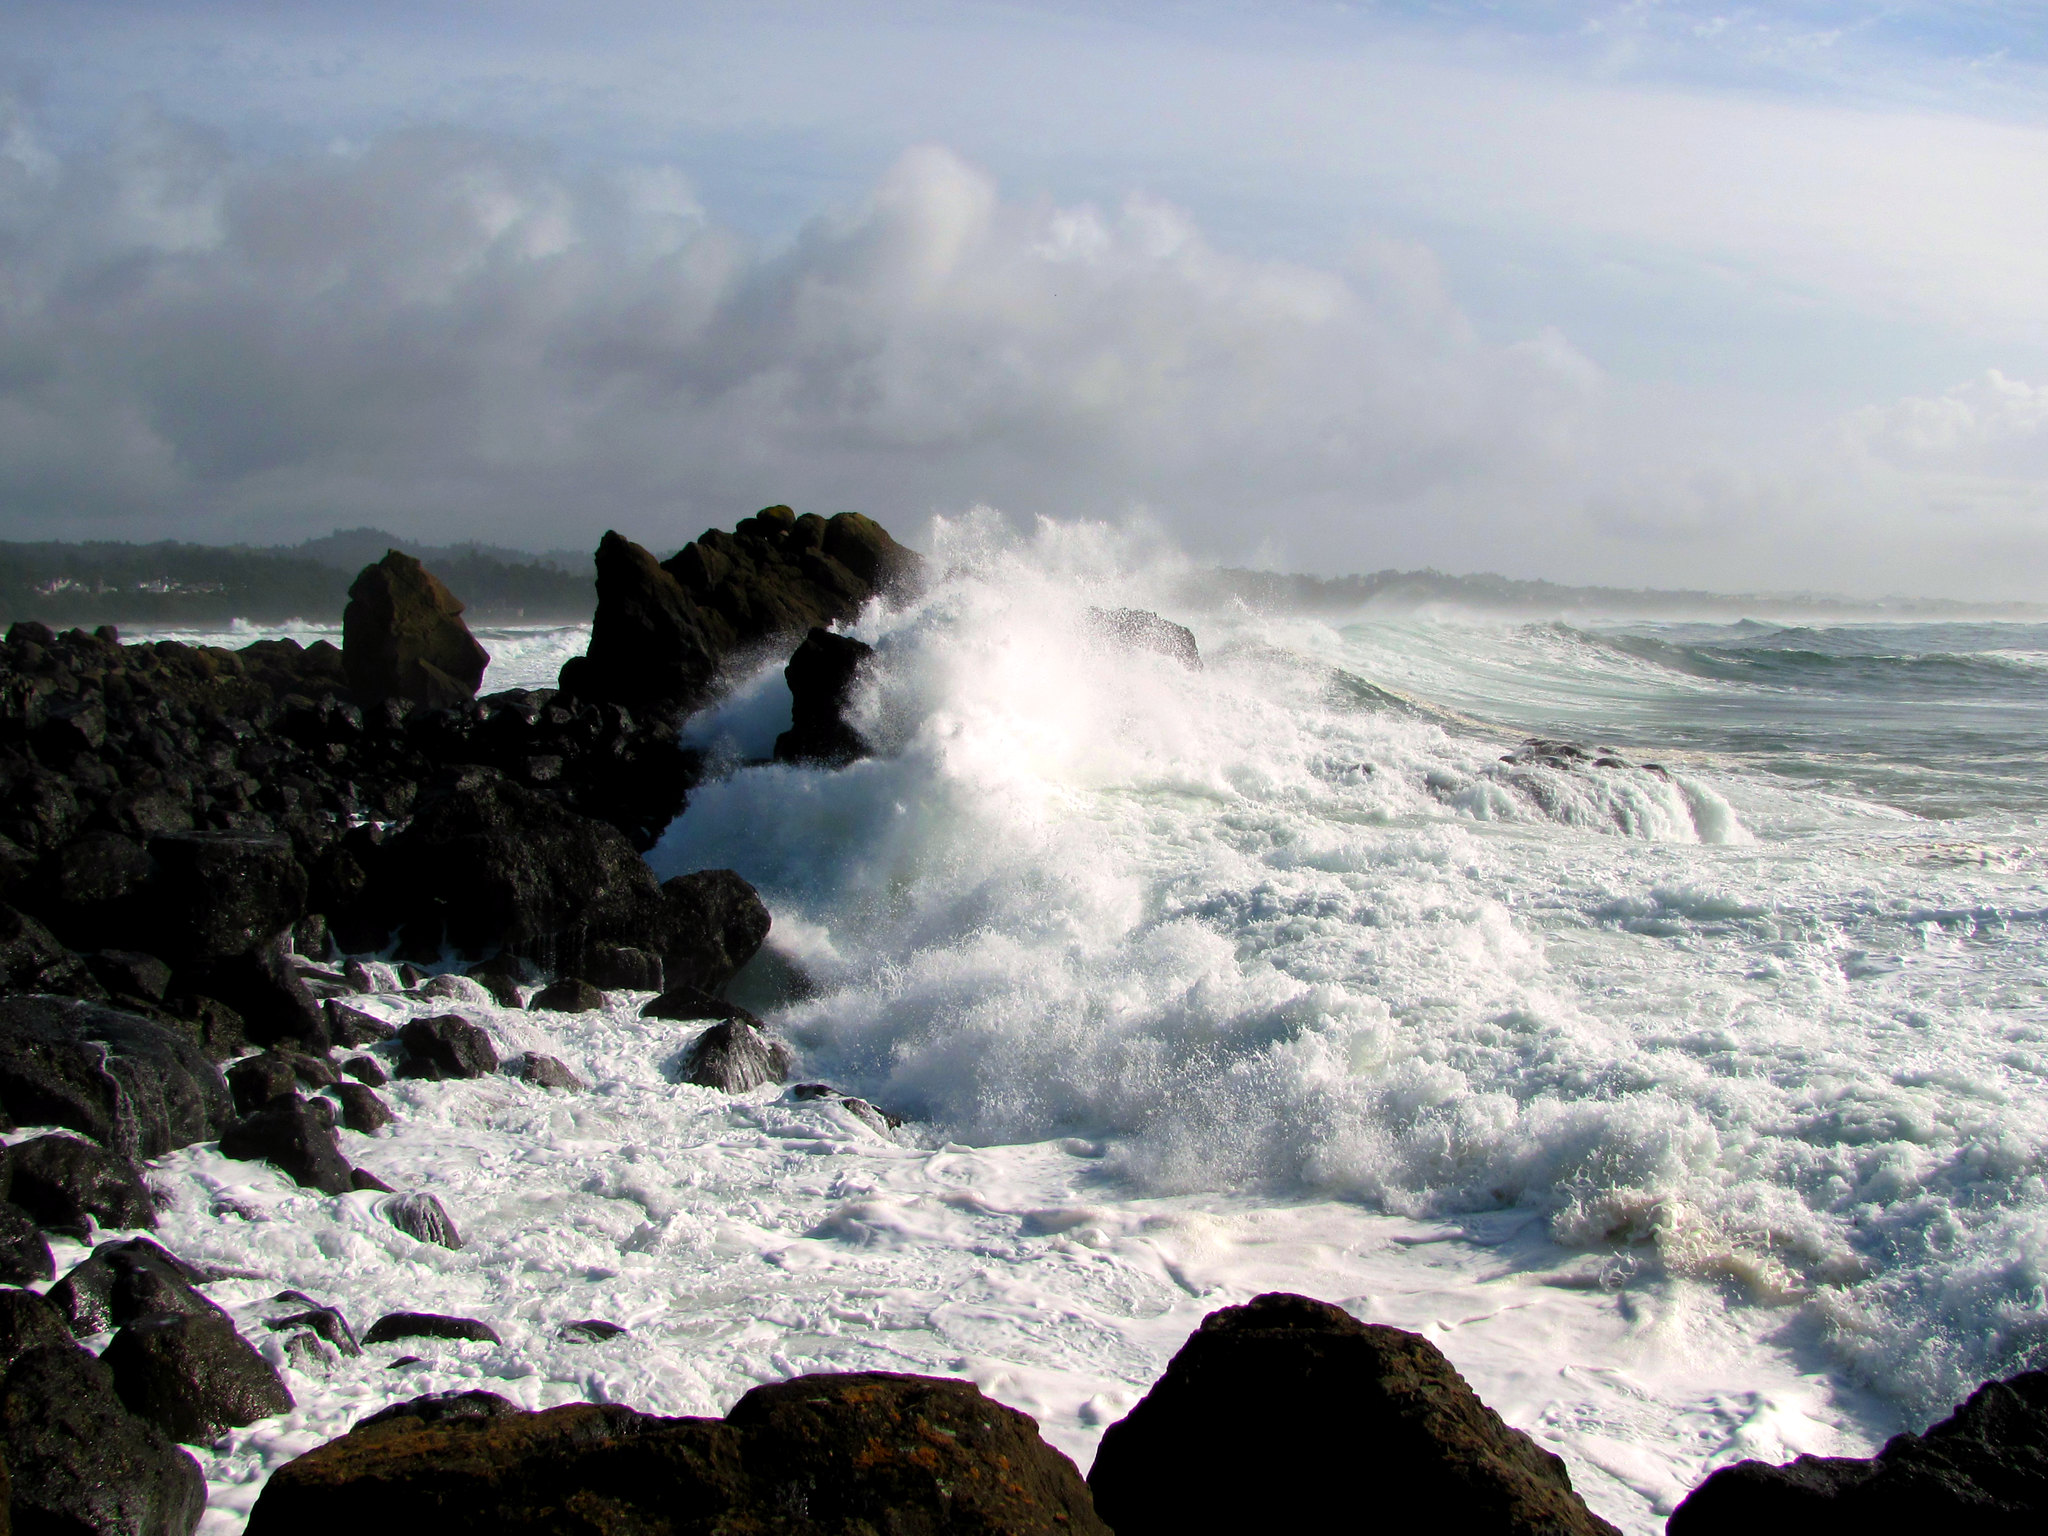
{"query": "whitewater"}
[(1691, 1095)]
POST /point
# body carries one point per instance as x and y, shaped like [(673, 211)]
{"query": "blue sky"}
[(1744, 296)]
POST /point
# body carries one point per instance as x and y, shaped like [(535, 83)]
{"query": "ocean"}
[(1692, 1094)]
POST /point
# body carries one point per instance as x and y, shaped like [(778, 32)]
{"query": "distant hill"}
[(172, 584)]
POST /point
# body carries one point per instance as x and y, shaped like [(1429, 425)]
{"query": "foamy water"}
[(1697, 1113)]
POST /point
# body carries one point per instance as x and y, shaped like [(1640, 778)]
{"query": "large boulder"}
[(713, 923), (266, 992), (60, 1181), (80, 1463), (132, 1085), (734, 1057), (1279, 1414), (402, 637), (1982, 1469), (664, 631), (869, 1452), (28, 1322), (821, 676), (445, 1047), (122, 1281), (215, 895), (193, 1376), (32, 960), (25, 1254), (295, 1137)]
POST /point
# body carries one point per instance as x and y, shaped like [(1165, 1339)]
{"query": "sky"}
[(1752, 298)]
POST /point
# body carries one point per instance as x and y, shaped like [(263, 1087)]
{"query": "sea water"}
[(1690, 1095)]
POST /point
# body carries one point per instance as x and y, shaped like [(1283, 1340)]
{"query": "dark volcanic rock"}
[(257, 1082), (402, 637), (735, 1056), (32, 960), (569, 995), (649, 646), (824, 1093), (545, 1072), (193, 1376), (129, 975), (130, 1084), (502, 976), (817, 1456), (352, 1026), (324, 1321), (27, 1322), (361, 1110), (264, 987), (821, 676), (429, 1325), (362, 1178), (80, 1463), (619, 968), (592, 1330), (446, 1046), (1280, 1412), (422, 1218), (60, 1181), (24, 1253), (217, 895), (715, 922), (295, 1137), (1137, 630), (366, 1070), (686, 1003), (1982, 1469), (122, 1281)]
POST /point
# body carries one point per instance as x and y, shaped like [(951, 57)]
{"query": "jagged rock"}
[(619, 968), (352, 1026), (429, 1325), (1982, 1469), (502, 976), (569, 995), (371, 977), (362, 1178), (821, 676), (686, 1003), (1279, 1412), (324, 1321), (28, 1322), (591, 1330), (122, 1281), (734, 1057), (128, 975), (89, 882), (24, 1252), (366, 1070), (456, 989), (130, 1084), (361, 1110), (545, 1072), (80, 1462), (193, 1375), (216, 895), (402, 637), (446, 1046), (295, 1137), (1137, 630), (263, 985), (32, 960), (715, 922), (866, 1452), (662, 632), (422, 1218), (868, 1115), (60, 1181), (259, 1081)]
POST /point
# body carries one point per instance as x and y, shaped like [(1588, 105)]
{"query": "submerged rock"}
[(446, 1046), (545, 1072), (422, 1217), (592, 1330), (1282, 1413), (429, 1325), (734, 1057), (402, 637), (1137, 630), (326, 1322), (193, 1376)]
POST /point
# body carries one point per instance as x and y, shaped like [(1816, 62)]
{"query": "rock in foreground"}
[(841, 1454), (1288, 1414), (1984, 1470)]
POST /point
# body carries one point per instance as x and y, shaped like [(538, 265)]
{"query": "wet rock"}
[(122, 1281), (421, 1217), (649, 647), (592, 1330), (352, 1026), (24, 1252), (820, 1454), (370, 977), (620, 968), (324, 1321), (569, 995), (429, 1325), (80, 1462), (295, 1137), (193, 1375), (129, 975), (821, 676), (446, 1046), (868, 1115), (362, 1178), (688, 1003), (545, 1072), (1982, 1469), (257, 1082), (715, 922), (130, 1084), (502, 976), (366, 1070), (28, 1322), (1136, 630), (734, 1057), (1278, 1412), (264, 986), (89, 883), (456, 989), (60, 1181), (402, 637), (32, 960), (216, 895), (361, 1110)]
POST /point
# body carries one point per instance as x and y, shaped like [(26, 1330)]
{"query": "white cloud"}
[(1993, 426)]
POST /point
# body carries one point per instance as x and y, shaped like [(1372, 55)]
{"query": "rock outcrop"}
[(713, 923), (402, 637), (663, 631), (132, 1085), (1984, 1469), (122, 1281), (1287, 1413), (61, 1181), (819, 1454), (821, 676), (735, 1056), (193, 1376)]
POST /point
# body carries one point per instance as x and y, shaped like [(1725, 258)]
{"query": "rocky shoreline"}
[(206, 854)]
